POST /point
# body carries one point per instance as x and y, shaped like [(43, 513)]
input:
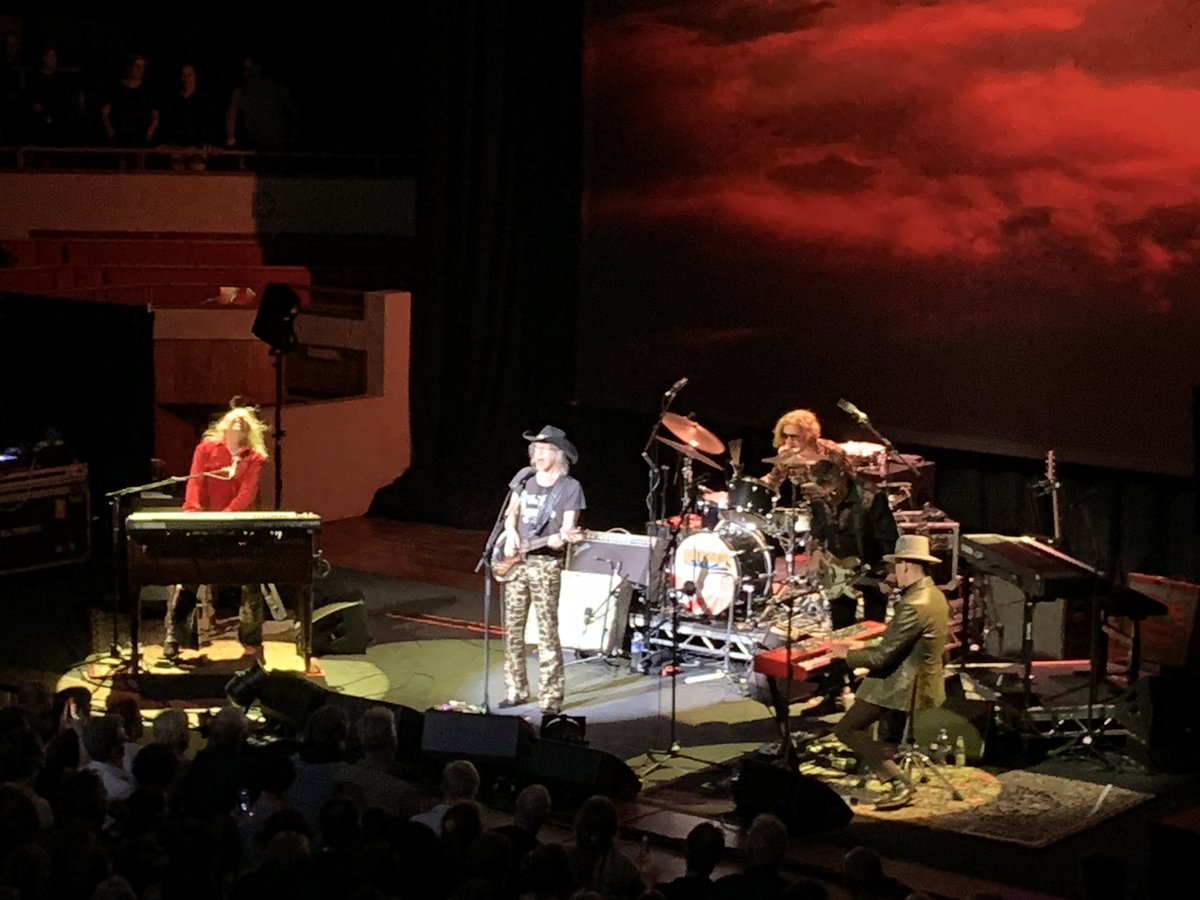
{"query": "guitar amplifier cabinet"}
[(943, 541), (44, 517)]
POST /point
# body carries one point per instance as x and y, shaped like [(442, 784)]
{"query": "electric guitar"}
[(504, 567), (1054, 488)]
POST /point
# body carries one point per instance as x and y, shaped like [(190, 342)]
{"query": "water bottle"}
[(637, 646), (941, 745), (960, 751)]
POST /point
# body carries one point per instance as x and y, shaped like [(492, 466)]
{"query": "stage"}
[(1024, 819)]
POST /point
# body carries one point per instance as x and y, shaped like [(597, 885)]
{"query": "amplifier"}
[(593, 611), (616, 553), (44, 518), (943, 540)]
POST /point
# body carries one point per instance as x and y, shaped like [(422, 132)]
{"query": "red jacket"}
[(216, 494)]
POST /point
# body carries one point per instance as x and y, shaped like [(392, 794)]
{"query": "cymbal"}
[(692, 433), (691, 452), (795, 458)]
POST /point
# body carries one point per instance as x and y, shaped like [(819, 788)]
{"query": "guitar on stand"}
[(1085, 741)]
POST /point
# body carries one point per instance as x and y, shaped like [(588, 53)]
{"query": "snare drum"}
[(720, 564), (750, 502)]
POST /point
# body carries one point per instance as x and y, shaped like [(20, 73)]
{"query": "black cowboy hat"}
[(556, 436)]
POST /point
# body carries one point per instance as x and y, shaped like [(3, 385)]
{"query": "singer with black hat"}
[(542, 517)]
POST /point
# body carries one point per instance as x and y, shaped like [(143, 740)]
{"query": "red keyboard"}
[(813, 654)]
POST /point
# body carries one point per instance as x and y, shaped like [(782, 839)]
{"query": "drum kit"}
[(743, 548)]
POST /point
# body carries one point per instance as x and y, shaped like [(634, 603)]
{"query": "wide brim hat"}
[(913, 547), (556, 436)]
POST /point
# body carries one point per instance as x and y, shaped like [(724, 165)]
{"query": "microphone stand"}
[(120, 583), (673, 749), (485, 564), (862, 419)]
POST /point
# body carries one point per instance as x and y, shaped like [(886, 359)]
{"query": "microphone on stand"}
[(676, 388), (851, 410)]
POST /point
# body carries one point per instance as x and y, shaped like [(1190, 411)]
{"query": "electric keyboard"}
[(812, 654), (166, 547), (1041, 572)]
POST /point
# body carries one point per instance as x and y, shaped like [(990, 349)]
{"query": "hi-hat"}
[(691, 452), (692, 433)]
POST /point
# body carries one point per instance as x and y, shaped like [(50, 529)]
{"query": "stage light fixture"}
[(243, 688), (565, 729)]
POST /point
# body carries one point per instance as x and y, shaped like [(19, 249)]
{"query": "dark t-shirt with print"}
[(532, 496)]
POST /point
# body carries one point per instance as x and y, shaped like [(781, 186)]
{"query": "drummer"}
[(797, 437)]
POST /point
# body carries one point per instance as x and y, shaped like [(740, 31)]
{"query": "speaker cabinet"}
[(340, 628), (592, 612), (274, 324), (574, 772), (485, 740), (1060, 627), (805, 804), (1162, 714)]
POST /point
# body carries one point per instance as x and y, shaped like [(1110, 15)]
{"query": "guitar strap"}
[(547, 510)]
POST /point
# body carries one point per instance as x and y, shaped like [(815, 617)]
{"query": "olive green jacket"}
[(909, 654)]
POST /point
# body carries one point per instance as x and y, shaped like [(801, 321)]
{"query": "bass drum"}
[(720, 564)]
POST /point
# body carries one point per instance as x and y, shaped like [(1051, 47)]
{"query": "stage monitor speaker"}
[(574, 772), (592, 612), (805, 804), (1060, 628), (483, 739), (1162, 714), (340, 628), (275, 321)]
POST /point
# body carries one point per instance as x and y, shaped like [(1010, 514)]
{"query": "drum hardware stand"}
[(673, 750)]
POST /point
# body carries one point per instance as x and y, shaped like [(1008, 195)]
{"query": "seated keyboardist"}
[(226, 467)]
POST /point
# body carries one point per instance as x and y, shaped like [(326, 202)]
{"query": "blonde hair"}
[(804, 419), (256, 428), (561, 465)]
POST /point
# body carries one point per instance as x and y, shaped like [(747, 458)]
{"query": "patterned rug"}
[(1018, 806)]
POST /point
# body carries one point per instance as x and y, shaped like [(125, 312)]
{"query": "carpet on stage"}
[(1018, 806)]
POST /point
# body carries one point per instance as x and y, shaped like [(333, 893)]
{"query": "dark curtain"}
[(498, 221), (82, 373)]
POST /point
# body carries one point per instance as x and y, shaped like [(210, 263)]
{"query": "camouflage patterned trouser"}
[(536, 582), (185, 611)]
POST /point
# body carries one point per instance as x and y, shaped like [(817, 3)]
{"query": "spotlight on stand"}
[(244, 687), (286, 699), (565, 729)]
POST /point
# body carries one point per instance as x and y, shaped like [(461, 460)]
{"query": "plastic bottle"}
[(637, 645), (960, 751), (944, 748)]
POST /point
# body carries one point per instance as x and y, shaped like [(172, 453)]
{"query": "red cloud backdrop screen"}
[(978, 221)]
